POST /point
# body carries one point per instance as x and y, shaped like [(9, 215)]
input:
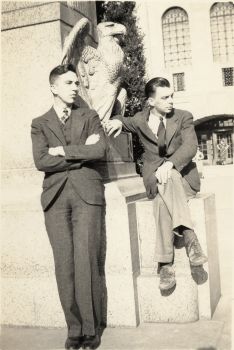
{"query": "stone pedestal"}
[(197, 290), (122, 252)]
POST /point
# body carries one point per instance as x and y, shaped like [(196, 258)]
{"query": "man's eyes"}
[(71, 82), (166, 97)]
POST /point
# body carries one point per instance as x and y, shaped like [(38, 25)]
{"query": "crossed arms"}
[(71, 157)]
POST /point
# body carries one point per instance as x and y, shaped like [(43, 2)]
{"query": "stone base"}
[(198, 288)]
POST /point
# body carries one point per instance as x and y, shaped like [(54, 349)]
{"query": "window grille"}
[(176, 37), (228, 76), (222, 31), (178, 82)]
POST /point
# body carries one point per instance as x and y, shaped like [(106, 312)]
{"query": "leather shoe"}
[(167, 277), (91, 341), (73, 343)]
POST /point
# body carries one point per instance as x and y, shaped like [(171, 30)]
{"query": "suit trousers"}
[(74, 229), (171, 211)]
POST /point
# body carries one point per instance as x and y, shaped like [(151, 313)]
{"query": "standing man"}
[(67, 143), (223, 151), (198, 159), (169, 175)]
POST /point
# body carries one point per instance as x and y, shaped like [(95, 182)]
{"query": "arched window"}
[(176, 37), (222, 31)]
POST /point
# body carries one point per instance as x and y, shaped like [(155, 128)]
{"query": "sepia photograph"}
[(117, 175)]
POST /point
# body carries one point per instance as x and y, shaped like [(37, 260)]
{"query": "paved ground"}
[(201, 335)]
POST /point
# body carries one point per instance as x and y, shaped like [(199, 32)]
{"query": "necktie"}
[(161, 138), (64, 116)]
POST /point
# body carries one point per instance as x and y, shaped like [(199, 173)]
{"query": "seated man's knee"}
[(159, 201)]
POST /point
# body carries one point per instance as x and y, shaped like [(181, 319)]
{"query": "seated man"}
[(169, 175)]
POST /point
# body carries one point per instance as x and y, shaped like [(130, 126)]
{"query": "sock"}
[(161, 264), (188, 234)]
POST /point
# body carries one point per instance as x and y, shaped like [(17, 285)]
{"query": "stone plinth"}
[(122, 254), (198, 288)]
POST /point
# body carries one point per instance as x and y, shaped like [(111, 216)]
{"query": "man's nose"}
[(170, 100), (74, 87)]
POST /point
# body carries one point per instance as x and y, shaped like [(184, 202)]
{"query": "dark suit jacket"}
[(181, 143), (79, 162)]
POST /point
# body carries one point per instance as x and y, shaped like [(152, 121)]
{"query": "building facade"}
[(192, 44)]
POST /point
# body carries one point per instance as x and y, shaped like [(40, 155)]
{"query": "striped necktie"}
[(64, 116), (161, 138)]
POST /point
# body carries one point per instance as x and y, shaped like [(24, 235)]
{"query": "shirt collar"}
[(158, 116), (60, 111)]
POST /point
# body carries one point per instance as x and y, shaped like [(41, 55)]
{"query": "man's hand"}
[(164, 172), (92, 139), (111, 126), (57, 151)]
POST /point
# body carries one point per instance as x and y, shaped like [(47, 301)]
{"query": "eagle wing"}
[(84, 57)]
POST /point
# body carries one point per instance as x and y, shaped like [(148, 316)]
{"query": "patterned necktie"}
[(161, 138), (65, 116)]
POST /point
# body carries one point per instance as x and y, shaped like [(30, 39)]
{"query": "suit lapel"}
[(145, 127), (53, 124), (77, 125), (172, 124)]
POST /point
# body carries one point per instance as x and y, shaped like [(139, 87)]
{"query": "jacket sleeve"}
[(185, 153), (128, 123), (44, 161), (88, 152)]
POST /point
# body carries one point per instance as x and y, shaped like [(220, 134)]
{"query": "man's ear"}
[(53, 89), (150, 101)]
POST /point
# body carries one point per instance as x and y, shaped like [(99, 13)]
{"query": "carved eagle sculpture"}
[(99, 70)]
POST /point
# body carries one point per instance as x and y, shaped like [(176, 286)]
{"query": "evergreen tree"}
[(134, 61)]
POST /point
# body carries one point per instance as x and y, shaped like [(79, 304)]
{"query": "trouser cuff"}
[(164, 258), (74, 332)]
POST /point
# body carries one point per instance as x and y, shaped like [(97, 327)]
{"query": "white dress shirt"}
[(154, 122), (60, 111)]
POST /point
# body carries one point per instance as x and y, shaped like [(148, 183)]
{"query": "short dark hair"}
[(152, 85), (59, 70)]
